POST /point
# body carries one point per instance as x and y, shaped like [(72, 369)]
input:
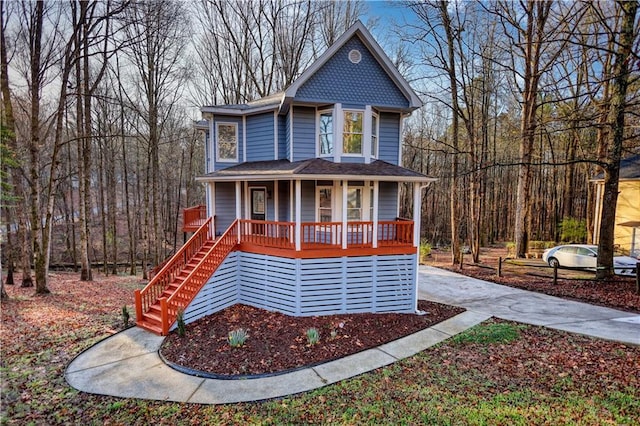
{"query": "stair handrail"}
[(151, 292), (169, 306)]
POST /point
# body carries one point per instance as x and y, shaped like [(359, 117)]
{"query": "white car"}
[(586, 256)]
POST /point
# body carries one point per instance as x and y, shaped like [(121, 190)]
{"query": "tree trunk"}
[(616, 121)]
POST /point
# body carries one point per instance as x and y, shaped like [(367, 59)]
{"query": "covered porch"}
[(313, 208)]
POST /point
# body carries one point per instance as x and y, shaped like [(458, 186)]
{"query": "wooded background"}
[(525, 101)]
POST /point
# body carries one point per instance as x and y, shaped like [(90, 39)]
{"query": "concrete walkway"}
[(127, 364)]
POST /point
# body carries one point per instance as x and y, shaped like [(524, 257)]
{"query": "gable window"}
[(325, 132), (227, 141), (324, 204), (352, 134), (374, 135)]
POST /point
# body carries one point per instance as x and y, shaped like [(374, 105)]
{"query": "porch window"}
[(352, 132), (325, 132), (374, 135), (354, 204), (227, 141), (324, 205)]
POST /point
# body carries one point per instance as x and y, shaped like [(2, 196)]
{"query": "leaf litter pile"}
[(499, 372), (278, 342)]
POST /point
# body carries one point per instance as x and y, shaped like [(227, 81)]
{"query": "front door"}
[(258, 208)]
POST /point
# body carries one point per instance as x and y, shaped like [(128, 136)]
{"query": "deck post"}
[(164, 316), (345, 188), (238, 200), (374, 219), (417, 213), (138, 299), (298, 204)]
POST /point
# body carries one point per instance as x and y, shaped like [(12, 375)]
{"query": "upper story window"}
[(374, 135), (227, 141), (325, 132), (352, 132)]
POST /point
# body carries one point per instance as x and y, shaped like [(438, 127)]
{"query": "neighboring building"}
[(627, 228), (302, 199)]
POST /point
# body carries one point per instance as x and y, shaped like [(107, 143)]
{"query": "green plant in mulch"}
[(313, 336), (125, 317), (182, 330), (238, 337)]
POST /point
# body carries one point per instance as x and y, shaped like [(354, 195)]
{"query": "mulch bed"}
[(278, 342)]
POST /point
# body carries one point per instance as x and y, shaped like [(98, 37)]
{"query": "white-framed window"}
[(324, 201), (353, 132), (227, 142), (374, 135), (354, 204), (325, 132)]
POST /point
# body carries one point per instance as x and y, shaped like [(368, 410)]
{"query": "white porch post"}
[(276, 214), (417, 213), (375, 214), (211, 203), (298, 204), (345, 187), (238, 200), (417, 219)]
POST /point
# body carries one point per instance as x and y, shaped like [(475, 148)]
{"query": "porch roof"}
[(314, 169)]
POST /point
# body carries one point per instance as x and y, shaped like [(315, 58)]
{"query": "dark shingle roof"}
[(313, 167), (629, 168)]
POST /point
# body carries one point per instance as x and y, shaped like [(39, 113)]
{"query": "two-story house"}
[(302, 199)]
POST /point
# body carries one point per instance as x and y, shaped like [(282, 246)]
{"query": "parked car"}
[(585, 256)]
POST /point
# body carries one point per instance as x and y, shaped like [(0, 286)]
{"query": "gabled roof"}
[(282, 100), (629, 169), (315, 169), (358, 29)]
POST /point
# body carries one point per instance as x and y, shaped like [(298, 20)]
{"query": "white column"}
[(298, 204), (238, 200), (211, 203), (276, 216), (374, 219), (345, 185), (247, 204), (417, 213)]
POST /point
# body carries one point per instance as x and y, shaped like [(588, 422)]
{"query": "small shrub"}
[(425, 249), (125, 317), (238, 337), (511, 249), (573, 230), (182, 330), (313, 336)]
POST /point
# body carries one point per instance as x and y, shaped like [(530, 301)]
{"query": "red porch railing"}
[(268, 234), (395, 233), (159, 283), (193, 218)]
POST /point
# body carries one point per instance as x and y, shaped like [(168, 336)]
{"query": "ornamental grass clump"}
[(125, 316), (313, 336), (182, 330), (238, 337)]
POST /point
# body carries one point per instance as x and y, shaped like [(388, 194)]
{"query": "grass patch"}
[(489, 333)]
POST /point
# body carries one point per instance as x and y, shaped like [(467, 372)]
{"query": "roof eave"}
[(292, 176)]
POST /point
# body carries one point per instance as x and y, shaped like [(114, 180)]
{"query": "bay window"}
[(352, 134)]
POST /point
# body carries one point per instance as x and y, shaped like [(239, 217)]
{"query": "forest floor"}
[(498, 372)]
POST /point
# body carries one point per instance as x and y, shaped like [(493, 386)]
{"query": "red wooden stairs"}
[(182, 277)]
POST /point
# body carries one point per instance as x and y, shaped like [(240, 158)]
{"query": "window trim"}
[(342, 133), (217, 135), (377, 134), (333, 132), (333, 202)]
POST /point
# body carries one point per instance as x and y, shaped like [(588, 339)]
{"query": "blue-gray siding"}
[(389, 144), (282, 137), (304, 133), (308, 208), (260, 137), (307, 287), (339, 80), (225, 206), (387, 200)]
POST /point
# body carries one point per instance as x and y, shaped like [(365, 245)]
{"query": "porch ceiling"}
[(314, 169)]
